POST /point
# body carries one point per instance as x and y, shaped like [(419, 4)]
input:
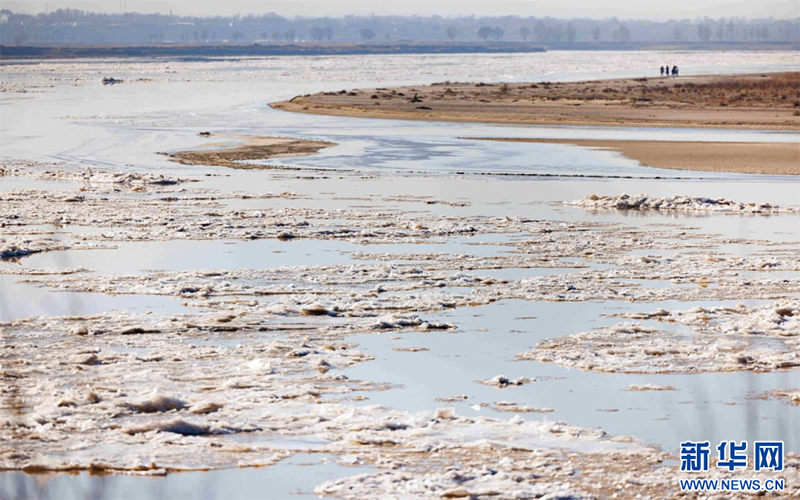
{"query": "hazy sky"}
[(669, 9)]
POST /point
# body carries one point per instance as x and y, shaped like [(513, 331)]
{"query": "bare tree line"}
[(69, 26)]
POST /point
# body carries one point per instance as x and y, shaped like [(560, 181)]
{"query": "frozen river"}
[(57, 111)]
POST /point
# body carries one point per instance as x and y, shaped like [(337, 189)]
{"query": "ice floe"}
[(762, 338), (684, 203)]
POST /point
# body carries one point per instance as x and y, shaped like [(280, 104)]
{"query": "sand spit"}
[(681, 203), (254, 148), (771, 158), (747, 101), (721, 339)]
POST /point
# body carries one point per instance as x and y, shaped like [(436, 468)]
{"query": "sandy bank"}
[(228, 154), (749, 101), (735, 157)]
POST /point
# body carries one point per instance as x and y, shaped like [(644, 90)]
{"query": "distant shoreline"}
[(23, 52), (12, 52)]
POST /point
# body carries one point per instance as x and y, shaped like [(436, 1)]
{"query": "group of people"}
[(666, 71)]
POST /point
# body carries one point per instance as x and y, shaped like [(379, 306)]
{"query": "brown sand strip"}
[(256, 148), (748, 101), (736, 157)]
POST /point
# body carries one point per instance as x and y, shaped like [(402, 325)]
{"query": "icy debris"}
[(482, 483), (501, 381), (495, 459), (453, 399), (337, 291), (444, 413), (390, 322), (71, 172), (318, 310), (722, 339), (791, 395), (175, 425), (683, 203), (80, 330), (42, 271), (155, 402), (410, 349), (436, 325), (19, 247), (87, 396), (650, 387), (779, 320), (85, 358), (508, 406), (197, 214), (284, 402), (103, 423)]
